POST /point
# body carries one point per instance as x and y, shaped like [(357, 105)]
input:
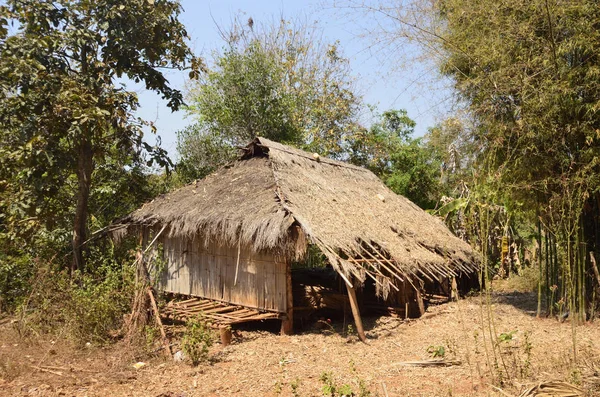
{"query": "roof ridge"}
[(301, 153)]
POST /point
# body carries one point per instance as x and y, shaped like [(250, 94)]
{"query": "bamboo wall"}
[(209, 272)]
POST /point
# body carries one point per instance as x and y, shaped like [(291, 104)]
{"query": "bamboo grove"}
[(528, 72), (526, 75)]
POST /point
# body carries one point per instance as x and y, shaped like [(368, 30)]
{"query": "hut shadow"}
[(526, 302), (326, 324)]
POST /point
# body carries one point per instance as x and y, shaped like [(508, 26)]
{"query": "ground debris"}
[(553, 389)]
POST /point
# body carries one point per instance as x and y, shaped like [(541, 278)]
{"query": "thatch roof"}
[(278, 198)]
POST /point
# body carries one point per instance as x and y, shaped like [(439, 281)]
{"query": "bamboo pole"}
[(595, 269), (356, 312), (539, 260), (163, 334), (287, 324), (146, 275)]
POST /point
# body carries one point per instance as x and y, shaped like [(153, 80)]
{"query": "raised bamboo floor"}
[(218, 314)]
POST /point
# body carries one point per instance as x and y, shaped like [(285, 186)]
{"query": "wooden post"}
[(225, 335), (287, 324), (454, 289), (355, 312), (139, 257), (420, 303), (165, 340)]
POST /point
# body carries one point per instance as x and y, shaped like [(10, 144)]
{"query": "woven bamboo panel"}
[(231, 274)]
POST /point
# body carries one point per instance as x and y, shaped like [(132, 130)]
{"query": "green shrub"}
[(86, 307), (98, 303), (197, 339), (15, 280)]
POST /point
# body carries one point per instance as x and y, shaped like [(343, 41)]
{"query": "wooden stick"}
[(370, 262), (163, 334), (140, 257), (355, 312), (385, 393), (237, 265), (382, 264), (47, 370)]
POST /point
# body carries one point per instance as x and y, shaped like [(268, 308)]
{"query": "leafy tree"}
[(202, 152), (63, 114), (279, 81), (407, 165)]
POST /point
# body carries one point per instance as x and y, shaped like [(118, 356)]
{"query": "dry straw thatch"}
[(278, 198)]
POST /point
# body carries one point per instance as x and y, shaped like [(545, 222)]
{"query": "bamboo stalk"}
[(539, 259), (595, 269)]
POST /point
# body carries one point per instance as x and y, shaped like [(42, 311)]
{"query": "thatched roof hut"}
[(278, 199)]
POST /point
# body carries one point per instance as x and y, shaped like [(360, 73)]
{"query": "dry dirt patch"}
[(261, 363)]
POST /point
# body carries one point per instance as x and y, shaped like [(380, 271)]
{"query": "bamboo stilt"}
[(287, 324), (356, 312), (225, 335), (420, 302)]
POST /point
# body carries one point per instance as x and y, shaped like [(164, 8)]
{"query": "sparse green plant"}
[(350, 330), (506, 336), (329, 387), (437, 351), (295, 385), (151, 336), (278, 387), (332, 389), (85, 307), (575, 376), (345, 391), (527, 347), (352, 366), (363, 389), (196, 341)]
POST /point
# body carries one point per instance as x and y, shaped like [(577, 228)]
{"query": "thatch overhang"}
[(278, 198)]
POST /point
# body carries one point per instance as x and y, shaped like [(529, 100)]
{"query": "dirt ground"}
[(262, 363)]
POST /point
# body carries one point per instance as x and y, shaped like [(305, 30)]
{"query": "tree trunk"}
[(85, 166)]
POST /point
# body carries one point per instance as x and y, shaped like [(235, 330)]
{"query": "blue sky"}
[(381, 81)]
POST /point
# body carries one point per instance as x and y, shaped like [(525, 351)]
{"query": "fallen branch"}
[(501, 391), (54, 368), (429, 363), (553, 388), (47, 370), (385, 392)]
